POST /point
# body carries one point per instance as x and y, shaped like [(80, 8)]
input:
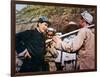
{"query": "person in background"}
[(59, 58), (84, 42), (33, 43), (51, 53), (69, 59)]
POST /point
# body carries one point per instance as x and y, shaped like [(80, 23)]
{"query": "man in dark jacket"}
[(34, 42)]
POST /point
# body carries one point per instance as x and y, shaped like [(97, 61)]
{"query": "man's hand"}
[(27, 55), (57, 42), (56, 39)]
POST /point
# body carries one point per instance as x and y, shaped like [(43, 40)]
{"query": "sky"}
[(20, 6)]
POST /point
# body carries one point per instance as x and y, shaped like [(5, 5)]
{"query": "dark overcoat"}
[(34, 42)]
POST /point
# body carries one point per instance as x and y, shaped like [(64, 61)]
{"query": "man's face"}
[(82, 23), (50, 35), (43, 27)]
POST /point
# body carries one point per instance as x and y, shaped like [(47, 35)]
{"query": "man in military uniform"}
[(34, 42), (51, 51), (84, 42)]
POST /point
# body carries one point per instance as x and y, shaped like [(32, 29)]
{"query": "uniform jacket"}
[(84, 43), (33, 41)]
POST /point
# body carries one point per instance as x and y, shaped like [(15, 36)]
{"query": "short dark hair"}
[(70, 27)]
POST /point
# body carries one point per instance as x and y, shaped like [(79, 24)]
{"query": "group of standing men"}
[(31, 45)]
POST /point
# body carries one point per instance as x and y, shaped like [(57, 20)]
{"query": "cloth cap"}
[(51, 29), (43, 19), (87, 16)]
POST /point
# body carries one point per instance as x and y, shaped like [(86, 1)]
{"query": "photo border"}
[(13, 32)]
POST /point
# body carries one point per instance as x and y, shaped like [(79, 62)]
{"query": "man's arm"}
[(76, 43)]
